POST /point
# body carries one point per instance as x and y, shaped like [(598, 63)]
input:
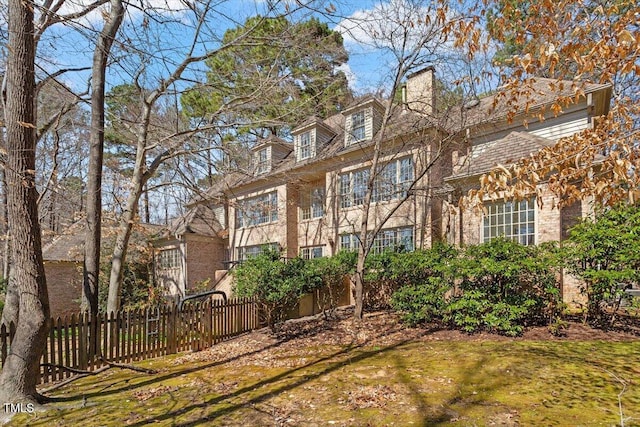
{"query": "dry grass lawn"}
[(334, 373)]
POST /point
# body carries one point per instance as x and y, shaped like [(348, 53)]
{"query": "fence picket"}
[(131, 335)]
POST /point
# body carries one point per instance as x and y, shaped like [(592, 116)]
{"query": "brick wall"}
[(551, 225), (64, 285), (204, 257)]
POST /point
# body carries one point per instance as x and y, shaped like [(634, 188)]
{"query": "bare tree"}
[(20, 371), (413, 33), (94, 185), (157, 141)]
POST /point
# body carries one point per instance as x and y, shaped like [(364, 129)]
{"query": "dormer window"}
[(262, 157), (304, 151), (362, 121), (358, 128)]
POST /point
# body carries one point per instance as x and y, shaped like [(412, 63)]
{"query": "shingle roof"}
[(493, 108), (529, 96), (199, 219), (69, 245), (504, 151)]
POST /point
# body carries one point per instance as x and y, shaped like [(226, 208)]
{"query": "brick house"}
[(63, 260), (305, 196), (199, 236)]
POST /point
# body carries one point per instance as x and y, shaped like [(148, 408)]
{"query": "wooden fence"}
[(136, 335)]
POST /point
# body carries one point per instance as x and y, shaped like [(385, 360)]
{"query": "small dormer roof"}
[(313, 122), (367, 101), (271, 140)]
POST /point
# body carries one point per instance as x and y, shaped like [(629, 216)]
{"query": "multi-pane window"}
[(349, 242), (246, 252), (312, 203), (358, 129), (397, 239), (263, 161), (169, 258), (391, 183), (311, 252), (512, 220), (353, 187), (257, 210), (405, 176), (304, 150)]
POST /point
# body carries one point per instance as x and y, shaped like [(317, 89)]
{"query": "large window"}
[(391, 183), (311, 252), (349, 242), (358, 129), (304, 150), (263, 161), (246, 252), (169, 258), (257, 210), (397, 239), (353, 187), (512, 220), (312, 203)]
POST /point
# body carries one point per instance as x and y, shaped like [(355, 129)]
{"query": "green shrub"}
[(332, 272), (421, 280), (277, 285), (503, 286), (605, 253)]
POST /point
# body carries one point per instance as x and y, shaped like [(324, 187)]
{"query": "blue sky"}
[(72, 45)]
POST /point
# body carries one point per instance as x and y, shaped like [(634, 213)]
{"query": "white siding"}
[(218, 211), (368, 123), (563, 126)]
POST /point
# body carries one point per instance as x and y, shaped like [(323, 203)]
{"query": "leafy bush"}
[(422, 281), (503, 286), (391, 271), (332, 272), (277, 285), (605, 253)]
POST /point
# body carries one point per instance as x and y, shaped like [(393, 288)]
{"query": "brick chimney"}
[(420, 90)]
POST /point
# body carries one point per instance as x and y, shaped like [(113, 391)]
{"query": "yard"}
[(315, 372)]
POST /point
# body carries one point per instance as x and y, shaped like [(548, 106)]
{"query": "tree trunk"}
[(94, 184), (120, 248), (12, 299), (138, 182), (20, 371)]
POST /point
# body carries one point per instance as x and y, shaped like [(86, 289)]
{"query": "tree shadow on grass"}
[(351, 353)]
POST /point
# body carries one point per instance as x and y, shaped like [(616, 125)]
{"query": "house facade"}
[(306, 196)]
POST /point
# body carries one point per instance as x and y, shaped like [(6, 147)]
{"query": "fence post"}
[(172, 323), (82, 346), (208, 323)]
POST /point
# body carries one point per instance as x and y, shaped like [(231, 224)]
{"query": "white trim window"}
[(391, 183), (169, 259), (512, 220), (257, 210), (349, 242), (312, 203), (358, 127), (246, 252), (262, 160), (312, 252), (353, 187), (304, 148), (396, 239), (393, 180)]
